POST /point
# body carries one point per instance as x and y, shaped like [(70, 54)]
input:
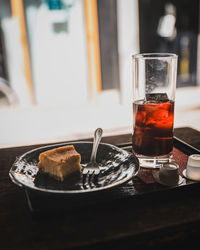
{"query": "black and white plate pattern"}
[(117, 167)]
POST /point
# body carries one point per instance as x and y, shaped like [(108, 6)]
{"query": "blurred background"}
[(66, 66)]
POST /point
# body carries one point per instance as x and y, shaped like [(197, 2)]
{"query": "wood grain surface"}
[(117, 220)]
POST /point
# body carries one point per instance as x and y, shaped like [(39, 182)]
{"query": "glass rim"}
[(154, 55)]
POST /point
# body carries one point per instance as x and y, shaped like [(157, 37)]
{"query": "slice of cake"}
[(60, 162)]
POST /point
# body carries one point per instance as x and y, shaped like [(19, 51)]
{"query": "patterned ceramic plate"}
[(117, 167)]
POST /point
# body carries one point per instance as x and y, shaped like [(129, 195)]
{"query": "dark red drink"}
[(153, 128)]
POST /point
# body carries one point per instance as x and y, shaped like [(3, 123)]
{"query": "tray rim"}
[(178, 143), (150, 194)]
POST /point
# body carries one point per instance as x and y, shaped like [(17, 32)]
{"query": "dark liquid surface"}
[(153, 128)]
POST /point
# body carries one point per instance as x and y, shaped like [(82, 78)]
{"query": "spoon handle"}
[(97, 138)]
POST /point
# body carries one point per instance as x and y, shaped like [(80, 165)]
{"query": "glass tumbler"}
[(154, 85)]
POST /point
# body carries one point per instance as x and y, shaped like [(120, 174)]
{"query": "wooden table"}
[(170, 219)]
